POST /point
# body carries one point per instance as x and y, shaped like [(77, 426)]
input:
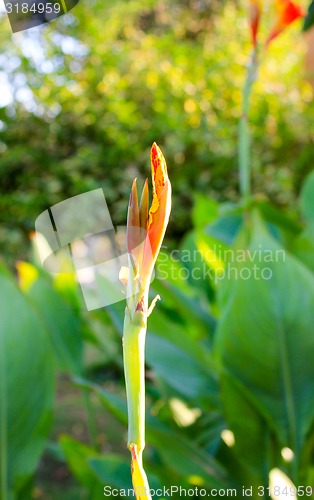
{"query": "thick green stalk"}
[(134, 335), (244, 133)]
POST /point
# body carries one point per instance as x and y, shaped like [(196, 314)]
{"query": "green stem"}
[(244, 133), (134, 334)]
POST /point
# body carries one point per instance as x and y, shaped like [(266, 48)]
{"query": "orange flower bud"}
[(159, 211), (144, 248)]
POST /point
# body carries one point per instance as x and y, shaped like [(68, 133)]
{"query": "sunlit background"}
[(83, 99)]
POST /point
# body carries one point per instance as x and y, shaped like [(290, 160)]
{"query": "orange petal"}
[(255, 14), (159, 211), (161, 205), (287, 13)]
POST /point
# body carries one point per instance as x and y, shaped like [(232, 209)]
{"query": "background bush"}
[(93, 90)]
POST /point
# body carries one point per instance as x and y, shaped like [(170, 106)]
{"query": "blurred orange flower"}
[(287, 12), (255, 14)]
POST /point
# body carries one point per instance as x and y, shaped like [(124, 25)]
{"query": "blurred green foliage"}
[(309, 19), (229, 361), (94, 89), (91, 92)]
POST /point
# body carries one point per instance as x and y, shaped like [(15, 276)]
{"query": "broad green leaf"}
[(196, 269), (98, 473), (77, 456), (204, 211), (303, 247), (180, 455), (181, 332), (309, 19), (307, 469), (225, 229), (207, 429), (252, 440), (265, 341), (180, 370), (62, 321), (171, 267), (280, 225), (113, 403), (185, 307), (178, 360), (307, 199), (116, 314), (112, 470), (26, 387), (185, 458)]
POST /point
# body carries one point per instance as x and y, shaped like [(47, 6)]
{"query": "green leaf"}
[(180, 300), (265, 341), (185, 458), (225, 229), (307, 199), (194, 266), (278, 220), (303, 244), (112, 470), (180, 370), (62, 322), (113, 403), (179, 454), (303, 247), (251, 439), (180, 330), (26, 387), (77, 456), (205, 210), (309, 19)]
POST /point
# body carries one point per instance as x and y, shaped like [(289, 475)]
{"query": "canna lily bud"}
[(147, 226), (145, 232), (159, 212), (287, 12)]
